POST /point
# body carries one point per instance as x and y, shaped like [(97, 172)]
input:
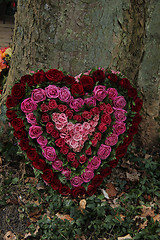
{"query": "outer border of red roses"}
[(54, 75)]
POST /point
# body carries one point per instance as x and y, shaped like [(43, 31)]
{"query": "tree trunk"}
[(79, 35)]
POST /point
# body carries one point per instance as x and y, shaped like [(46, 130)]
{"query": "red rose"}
[(32, 153), (17, 123), (19, 134), (44, 107), (48, 175), (125, 83), (55, 133), (94, 142), (60, 142), (88, 151), (91, 190), (52, 104), (77, 117), (11, 102), (45, 117), (39, 164), (133, 130), (56, 184), (113, 163), (97, 136), (69, 113), (87, 83), (102, 127), (127, 140), (78, 191), (39, 77), (137, 119), (18, 91), (11, 114), (1, 90), (54, 75), (97, 180), (102, 106), (95, 111), (106, 119), (112, 77), (106, 171), (98, 75), (64, 150), (121, 151), (69, 80), (77, 90), (138, 105), (86, 115), (49, 127), (24, 144), (108, 109), (62, 107), (64, 190), (27, 79), (75, 163), (71, 157), (132, 92)]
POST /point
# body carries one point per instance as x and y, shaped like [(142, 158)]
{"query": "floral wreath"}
[(74, 129)]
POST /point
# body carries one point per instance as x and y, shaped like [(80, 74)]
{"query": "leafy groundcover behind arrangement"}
[(74, 129)]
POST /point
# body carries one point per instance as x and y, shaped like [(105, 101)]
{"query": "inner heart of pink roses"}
[(75, 135)]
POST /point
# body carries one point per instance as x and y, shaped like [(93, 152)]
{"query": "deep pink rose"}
[(112, 93), (64, 94), (76, 104), (119, 128), (49, 153), (28, 105), (66, 172), (42, 141), (35, 131), (120, 115), (62, 118), (57, 165), (38, 95), (52, 91), (119, 102), (104, 151), (87, 175), (31, 118), (90, 101), (94, 164), (100, 92), (111, 140), (76, 181)]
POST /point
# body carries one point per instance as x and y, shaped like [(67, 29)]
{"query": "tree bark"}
[(79, 35)]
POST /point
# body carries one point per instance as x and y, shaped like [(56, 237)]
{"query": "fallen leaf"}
[(125, 237), (134, 176), (63, 217), (9, 236), (35, 215), (143, 225), (105, 194), (122, 217), (157, 218), (112, 192), (32, 180), (147, 211), (82, 204)]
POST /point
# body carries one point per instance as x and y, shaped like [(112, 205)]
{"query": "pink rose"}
[(31, 118), (49, 153), (52, 91), (111, 140), (66, 172), (119, 102), (42, 141), (100, 92), (94, 164), (38, 95), (64, 94), (57, 165), (104, 151), (62, 118), (90, 101), (120, 115), (76, 181), (112, 93), (119, 128), (76, 104), (35, 131), (87, 175), (28, 105)]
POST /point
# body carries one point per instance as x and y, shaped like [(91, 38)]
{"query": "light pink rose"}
[(55, 116), (119, 102), (62, 118), (66, 172), (57, 165), (87, 175), (90, 101), (119, 128), (78, 127), (59, 125), (104, 151), (31, 118), (52, 91), (28, 105), (96, 118), (49, 153), (94, 164), (112, 139), (77, 137), (93, 123), (86, 125), (120, 115), (70, 126), (76, 181), (64, 94), (112, 93), (73, 143), (35, 131), (42, 141), (38, 95), (76, 104), (100, 92)]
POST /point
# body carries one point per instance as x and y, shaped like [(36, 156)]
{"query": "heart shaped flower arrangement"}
[(74, 129)]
